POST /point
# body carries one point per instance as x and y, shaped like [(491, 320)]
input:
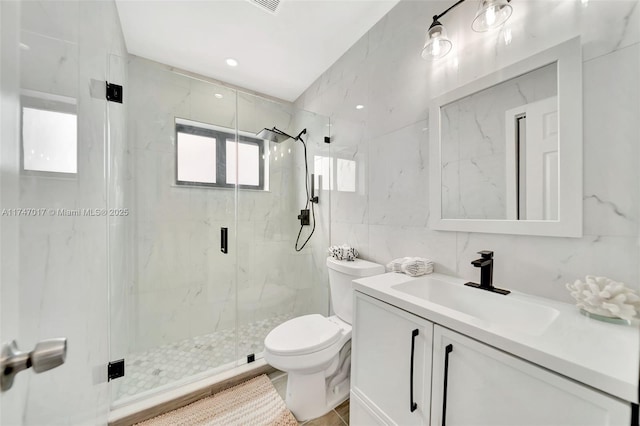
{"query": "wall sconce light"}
[(437, 43), (491, 14)]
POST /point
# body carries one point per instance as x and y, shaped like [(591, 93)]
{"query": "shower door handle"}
[(46, 355), (224, 240)]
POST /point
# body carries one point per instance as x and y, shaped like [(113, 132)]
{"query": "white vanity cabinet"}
[(384, 385), (476, 384), (458, 380)]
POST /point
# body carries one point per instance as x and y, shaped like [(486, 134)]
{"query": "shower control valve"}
[(304, 217)]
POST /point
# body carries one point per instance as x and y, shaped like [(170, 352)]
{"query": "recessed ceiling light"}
[(232, 62), (218, 95), (359, 106)]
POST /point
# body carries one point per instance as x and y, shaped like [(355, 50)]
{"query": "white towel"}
[(412, 266), (343, 252), (396, 264)]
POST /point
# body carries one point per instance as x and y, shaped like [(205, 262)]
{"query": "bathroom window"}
[(346, 175), (323, 168), (335, 173), (208, 155), (49, 134)]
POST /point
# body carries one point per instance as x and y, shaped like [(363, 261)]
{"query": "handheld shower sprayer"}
[(278, 136)]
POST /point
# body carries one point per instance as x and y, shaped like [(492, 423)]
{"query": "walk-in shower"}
[(199, 164)]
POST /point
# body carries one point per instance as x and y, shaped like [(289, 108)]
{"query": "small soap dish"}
[(611, 320)]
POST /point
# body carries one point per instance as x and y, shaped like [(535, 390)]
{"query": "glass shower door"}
[(191, 172), (173, 314), (277, 278), (53, 204)]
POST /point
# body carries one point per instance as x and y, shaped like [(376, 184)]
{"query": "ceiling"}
[(279, 54)]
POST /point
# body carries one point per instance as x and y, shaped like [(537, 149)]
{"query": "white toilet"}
[(315, 350)]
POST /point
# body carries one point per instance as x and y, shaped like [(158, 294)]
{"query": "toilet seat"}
[(303, 335)]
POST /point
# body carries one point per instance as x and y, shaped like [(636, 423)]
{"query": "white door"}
[(532, 157), (541, 176), (53, 251), (475, 384), (391, 362)]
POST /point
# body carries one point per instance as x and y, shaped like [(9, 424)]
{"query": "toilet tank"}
[(341, 273)]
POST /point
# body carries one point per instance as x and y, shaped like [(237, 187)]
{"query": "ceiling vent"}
[(270, 5)]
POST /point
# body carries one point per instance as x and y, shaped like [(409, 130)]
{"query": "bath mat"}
[(254, 402)]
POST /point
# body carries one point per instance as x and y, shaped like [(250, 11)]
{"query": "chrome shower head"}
[(273, 135)]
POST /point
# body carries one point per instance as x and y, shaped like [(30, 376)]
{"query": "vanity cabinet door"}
[(383, 341), (475, 384), (361, 415)]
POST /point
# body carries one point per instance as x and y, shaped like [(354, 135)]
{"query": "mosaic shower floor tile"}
[(179, 360)]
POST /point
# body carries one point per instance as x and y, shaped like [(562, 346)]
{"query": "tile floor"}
[(336, 417), (174, 362)]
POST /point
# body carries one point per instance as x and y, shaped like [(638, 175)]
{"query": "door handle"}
[(414, 405), (46, 355), (447, 350), (224, 240)]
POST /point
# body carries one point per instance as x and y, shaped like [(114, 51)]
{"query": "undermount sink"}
[(495, 310)]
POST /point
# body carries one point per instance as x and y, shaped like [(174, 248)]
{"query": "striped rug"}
[(254, 402)]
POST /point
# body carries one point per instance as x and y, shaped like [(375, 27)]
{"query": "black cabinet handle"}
[(447, 350), (414, 405), (224, 240)]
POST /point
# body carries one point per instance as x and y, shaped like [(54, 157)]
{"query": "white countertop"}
[(602, 355)]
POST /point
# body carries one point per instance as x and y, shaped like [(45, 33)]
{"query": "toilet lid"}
[(302, 335)]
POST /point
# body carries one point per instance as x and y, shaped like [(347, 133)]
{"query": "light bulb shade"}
[(437, 44), (491, 14)]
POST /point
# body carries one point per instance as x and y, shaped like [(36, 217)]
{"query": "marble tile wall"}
[(183, 285), (63, 260), (386, 217)]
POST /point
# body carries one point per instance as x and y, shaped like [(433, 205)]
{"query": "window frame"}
[(221, 136)]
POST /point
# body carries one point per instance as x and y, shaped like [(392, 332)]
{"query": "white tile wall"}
[(386, 217)]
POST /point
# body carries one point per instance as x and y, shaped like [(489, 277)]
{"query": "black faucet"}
[(485, 263)]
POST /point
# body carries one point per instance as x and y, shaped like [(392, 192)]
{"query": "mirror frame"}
[(568, 56)]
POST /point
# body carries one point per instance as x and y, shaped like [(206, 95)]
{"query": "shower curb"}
[(185, 395)]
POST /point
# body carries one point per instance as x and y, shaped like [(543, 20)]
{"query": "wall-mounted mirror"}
[(506, 149)]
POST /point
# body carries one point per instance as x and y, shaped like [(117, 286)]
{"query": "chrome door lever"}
[(46, 355)]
